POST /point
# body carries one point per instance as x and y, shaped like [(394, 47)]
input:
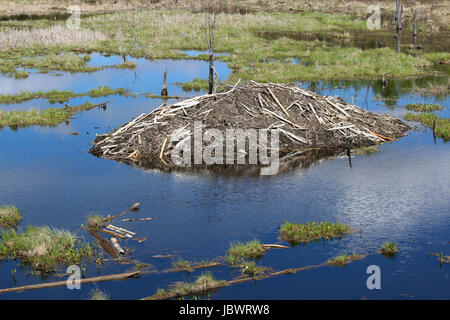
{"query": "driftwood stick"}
[(117, 245), (137, 219), (112, 277), (112, 233), (133, 207), (110, 226), (278, 102), (276, 246)]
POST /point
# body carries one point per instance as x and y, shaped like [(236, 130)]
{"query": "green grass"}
[(20, 74), (389, 248), (423, 107), (251, 269), (160, 34), (95, 222), (53, 96), (127, 65), (427, 119), (295, 232), (105, 91), (182, 265), (62, 62), (367, 150), (238, 252), (9, 216), (196, 85), (43, 248), (344, 259), (201, 285), (438, 56), (48, 117)]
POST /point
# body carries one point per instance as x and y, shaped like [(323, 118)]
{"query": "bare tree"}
[(209, 28)]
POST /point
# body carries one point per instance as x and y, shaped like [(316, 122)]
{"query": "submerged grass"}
[(9, 216), (295, 232), (43, 248), (367, 150), (428, 119), (99, 295)]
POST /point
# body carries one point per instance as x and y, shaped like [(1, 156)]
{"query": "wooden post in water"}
[(164, 92), (415, 29)]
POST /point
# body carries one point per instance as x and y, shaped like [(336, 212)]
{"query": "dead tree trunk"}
[(210, 27), (164, 92), (394, 18), (399, 28), (415, 29)]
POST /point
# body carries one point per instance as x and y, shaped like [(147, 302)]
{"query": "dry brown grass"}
[(52, 36), (434, 13)]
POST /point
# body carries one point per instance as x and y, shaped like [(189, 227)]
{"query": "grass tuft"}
[(9, 216), (295, 232), (99, 295), (422, 107), (389, 248), (239, 251), (95, 222), (428, 118), (344, 259), (204, 283), (44, 249), (367, 150)]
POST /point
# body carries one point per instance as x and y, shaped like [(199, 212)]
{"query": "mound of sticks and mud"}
[(308, 127)]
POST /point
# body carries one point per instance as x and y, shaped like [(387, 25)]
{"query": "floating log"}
[(112, 277), (117, 245)]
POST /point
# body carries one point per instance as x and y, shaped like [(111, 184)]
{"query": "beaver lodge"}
[(231, 128)]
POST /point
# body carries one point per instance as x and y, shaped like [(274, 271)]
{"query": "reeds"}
[(47, 37)]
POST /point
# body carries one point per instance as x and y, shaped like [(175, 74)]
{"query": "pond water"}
[(428, 41), (399, 194)]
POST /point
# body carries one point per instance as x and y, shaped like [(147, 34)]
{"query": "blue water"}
[(399, 194)]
